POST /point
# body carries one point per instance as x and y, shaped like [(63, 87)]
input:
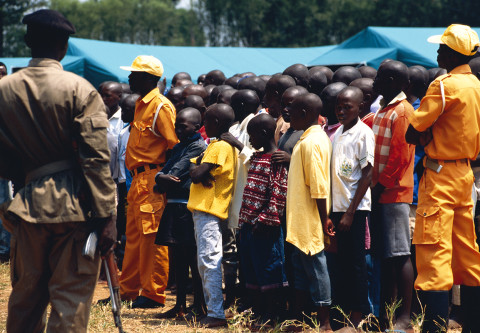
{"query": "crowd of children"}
[(291, 191)]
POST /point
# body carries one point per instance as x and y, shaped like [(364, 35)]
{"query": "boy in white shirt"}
[(351, 167)]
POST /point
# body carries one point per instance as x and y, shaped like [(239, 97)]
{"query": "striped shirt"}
[(265, 193), (394, 157)]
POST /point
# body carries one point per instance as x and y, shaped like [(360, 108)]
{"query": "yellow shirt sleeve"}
[(217, 154), (315, 161), (430, 108)]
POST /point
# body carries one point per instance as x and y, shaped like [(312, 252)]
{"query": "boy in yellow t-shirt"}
[(210, 195), (307, 208)]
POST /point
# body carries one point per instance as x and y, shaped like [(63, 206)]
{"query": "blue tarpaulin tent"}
[(69, 63), (373, 44), (103, 59), (100, 61)]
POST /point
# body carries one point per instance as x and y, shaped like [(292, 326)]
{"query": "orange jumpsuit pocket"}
[(150, 214), (427, 226)]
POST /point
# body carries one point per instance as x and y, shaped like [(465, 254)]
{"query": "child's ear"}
[(197, 127), (361, 105), (304, 113)]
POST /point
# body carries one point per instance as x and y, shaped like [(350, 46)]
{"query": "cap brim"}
[(435, 39), (130, 69)]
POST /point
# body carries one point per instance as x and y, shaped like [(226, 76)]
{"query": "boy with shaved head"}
[(176, 226), (299, 73), (392, 182), (307, 208), (329, 99), (352, 162), (369, 96), (261, 236), (210, 194)]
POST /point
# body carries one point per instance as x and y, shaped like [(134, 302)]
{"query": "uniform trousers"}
[(145, 264), (444, 235), (47, 266)]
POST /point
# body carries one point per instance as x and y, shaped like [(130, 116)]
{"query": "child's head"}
[(299, 73), (187, 123), (111, 93), (180, 76), (233, 81), (261, 130), (369, 96), (215, 77), (418, 77), (274, 90), (196, 102), (201, 79), (329, 99), (368, 72), (325, 70), (218, 119), (244, 102), (287, 98), (216, 91), (318, 81), (175, 96), (304, 111), (253, 83), (226, 96), (183, 83), (391, 79), (346, 74), (194, 89), (475, 66), (128, 107), (348, 107)]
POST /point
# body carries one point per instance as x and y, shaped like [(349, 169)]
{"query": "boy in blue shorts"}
[(307, 213)]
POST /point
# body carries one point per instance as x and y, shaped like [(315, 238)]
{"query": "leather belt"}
[(49, 169), (462, 160), (144, 168)]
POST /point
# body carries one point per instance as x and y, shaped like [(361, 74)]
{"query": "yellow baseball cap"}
[(458, 37), (145, 63)]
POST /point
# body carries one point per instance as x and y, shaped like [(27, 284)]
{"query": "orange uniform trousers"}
[(444, 235), (145, 265)]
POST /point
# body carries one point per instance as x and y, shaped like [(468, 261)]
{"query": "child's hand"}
[(208, 181), (199, 159), (163, 179), (345, 222), (230, 139), (328, 227), (281, 156)]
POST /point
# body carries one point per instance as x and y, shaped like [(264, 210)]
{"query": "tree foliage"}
[(286, 23), (132, 21)]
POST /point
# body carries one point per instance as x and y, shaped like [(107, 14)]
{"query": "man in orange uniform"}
[(145, 265), (448, 124)]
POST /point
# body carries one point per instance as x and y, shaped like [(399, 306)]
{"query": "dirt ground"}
[(134, 320)]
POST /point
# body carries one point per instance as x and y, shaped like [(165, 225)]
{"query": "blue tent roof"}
[(70, 63), (373, 44), (103, 59)]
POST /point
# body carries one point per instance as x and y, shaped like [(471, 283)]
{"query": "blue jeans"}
[(208, 235), (4, 234), (311, 274)]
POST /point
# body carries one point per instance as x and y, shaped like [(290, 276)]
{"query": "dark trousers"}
[(352, 286), (185, 258)]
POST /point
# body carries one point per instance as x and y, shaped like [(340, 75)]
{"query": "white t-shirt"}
[(122, 148), (352, 151)]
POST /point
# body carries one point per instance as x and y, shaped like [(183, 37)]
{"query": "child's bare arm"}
[(363, 184), (326, 222), (201, 173)]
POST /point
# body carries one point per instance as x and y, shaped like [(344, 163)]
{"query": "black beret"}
[(50, 19)]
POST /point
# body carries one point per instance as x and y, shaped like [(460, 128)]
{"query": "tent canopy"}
[(100, 61), (69, 63), (408, 45), (103, 59)]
